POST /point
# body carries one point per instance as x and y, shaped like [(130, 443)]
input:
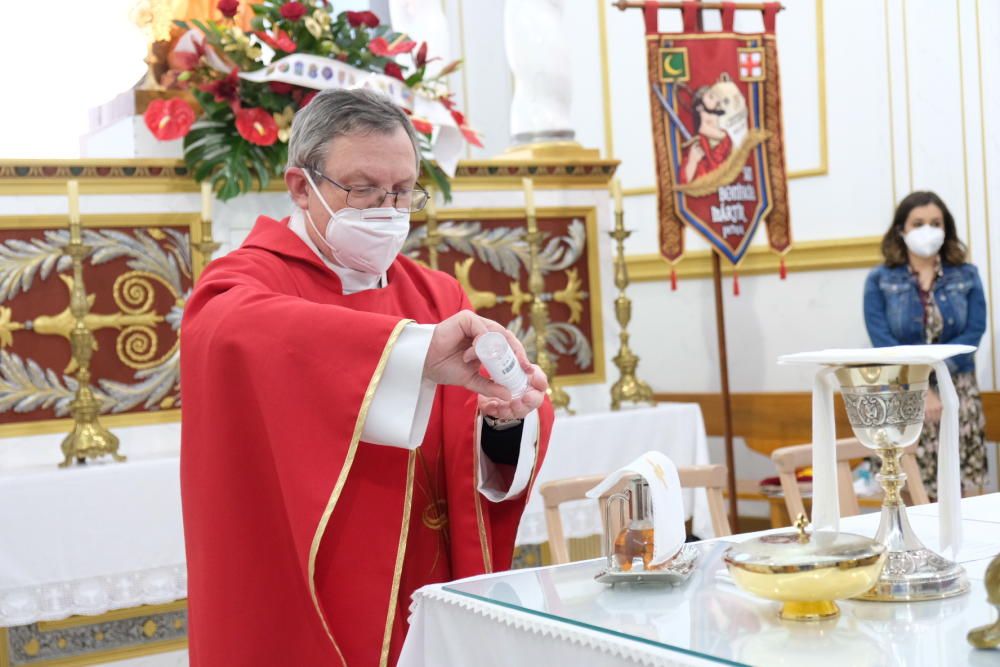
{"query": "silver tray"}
[(676, 572)]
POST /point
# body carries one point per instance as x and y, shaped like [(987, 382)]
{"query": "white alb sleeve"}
[(401, 408), (491, 482)]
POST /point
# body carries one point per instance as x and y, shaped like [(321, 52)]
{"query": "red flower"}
[(226, 89), (257, 126), (471, 136), (393, 70), (458, 116), (380, 47), (422, 126), (280, 87), (229, 8), (308, 98), (293, 11), (279, 42), (421, 57), (362, 18), (169, 119)]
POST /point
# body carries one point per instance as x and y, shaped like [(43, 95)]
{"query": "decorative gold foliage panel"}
[(138, 274), (486, 250)]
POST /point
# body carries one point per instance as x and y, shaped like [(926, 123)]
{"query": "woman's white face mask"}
[(924, 241), (365, 240)]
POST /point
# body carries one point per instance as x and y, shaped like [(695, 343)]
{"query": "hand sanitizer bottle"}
[(496, 354)]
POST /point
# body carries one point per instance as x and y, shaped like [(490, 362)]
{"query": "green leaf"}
[(436, 174)]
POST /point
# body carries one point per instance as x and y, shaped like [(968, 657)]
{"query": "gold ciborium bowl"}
[(806, 572)]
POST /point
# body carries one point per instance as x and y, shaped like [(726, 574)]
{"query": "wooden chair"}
[(789, 459), (710, 477)]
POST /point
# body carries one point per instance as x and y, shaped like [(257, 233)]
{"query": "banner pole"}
[(727, 402)]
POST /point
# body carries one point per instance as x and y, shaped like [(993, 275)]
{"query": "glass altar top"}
[(708, 617)]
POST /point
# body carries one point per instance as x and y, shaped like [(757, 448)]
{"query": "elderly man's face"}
[(379, 160)]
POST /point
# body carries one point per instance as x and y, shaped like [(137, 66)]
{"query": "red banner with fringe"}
[(716, 111)]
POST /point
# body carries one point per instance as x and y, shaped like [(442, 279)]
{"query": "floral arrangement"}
[(239, 138)]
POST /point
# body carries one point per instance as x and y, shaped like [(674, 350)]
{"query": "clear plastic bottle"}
[(496, 354)]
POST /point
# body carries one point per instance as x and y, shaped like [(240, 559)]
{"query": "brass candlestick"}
[(205, 245), (88, 440), (628, 387), (539, 310)]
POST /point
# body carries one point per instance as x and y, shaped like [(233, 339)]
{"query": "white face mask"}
[(365, 240), (924, 241)]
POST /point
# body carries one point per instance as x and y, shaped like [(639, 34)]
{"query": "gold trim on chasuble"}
[(484, 540), (400, 552), (339, 487), (538, 460)]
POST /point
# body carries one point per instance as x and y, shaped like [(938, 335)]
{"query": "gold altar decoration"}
[(539, 310), (132, 176), (138, 273), (488, 253), (806, 570), (628, 387), (88, 440), (988, 636)]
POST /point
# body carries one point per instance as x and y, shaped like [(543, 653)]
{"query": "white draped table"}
[(597, 444), (91, 538), (560, 616)]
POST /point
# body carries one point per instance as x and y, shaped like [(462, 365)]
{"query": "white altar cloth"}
[(559, 616), (596, 444), (91, 538)]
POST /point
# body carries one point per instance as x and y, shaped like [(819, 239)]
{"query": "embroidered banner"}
[(716, 113)]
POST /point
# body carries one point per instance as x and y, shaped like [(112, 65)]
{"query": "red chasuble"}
[(304, 544)]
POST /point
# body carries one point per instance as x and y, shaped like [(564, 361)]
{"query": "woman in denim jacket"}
[(927, 293)]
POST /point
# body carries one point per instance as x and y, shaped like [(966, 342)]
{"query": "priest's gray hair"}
[(337, 113)]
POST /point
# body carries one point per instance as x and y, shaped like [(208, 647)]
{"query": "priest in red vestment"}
[(341, 447)]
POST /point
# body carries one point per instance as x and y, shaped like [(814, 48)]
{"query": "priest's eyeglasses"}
[(404, 201)]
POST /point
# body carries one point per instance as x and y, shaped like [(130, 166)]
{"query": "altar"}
[(560, 615)]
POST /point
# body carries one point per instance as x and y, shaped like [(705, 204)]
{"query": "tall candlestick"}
[(89, 439), (73, 192), (628, 387), (539, 309), (206, 200), (205, 245), (529, 196)]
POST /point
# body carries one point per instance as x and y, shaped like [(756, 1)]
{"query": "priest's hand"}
[(519, 407), (451, 359)]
